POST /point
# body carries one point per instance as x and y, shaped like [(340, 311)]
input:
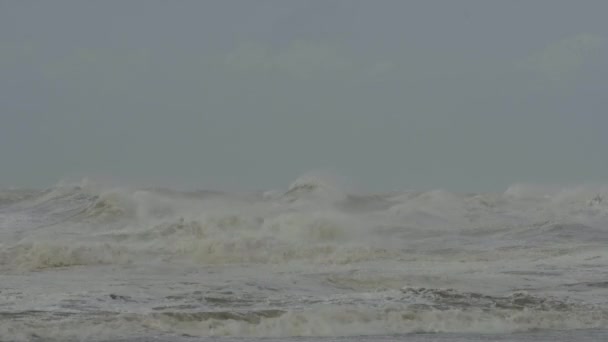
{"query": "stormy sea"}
[(310, 262)]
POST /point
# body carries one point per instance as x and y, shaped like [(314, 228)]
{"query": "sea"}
[(310, 262)]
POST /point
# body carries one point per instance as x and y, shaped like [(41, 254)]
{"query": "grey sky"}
[(463, 95)]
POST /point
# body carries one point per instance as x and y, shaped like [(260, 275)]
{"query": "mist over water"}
[(91, 262)]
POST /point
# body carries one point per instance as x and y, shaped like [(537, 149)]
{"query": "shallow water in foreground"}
[(551, 336), (88, 263)]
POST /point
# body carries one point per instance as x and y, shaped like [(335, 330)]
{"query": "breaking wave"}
[(313, 221)]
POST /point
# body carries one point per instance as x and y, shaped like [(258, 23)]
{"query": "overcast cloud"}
[(463, 95)]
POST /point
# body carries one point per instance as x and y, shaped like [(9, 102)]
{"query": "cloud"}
[(302, 60), (562, 59), (12, 55), (249, 57)]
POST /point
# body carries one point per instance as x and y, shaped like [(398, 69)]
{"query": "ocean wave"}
[(312, 221), (417, 311), (359, 321), (310, 193), (8, 197), (315, 186), (45, 255)]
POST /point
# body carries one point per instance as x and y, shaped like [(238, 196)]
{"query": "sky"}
[(467, 95)]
